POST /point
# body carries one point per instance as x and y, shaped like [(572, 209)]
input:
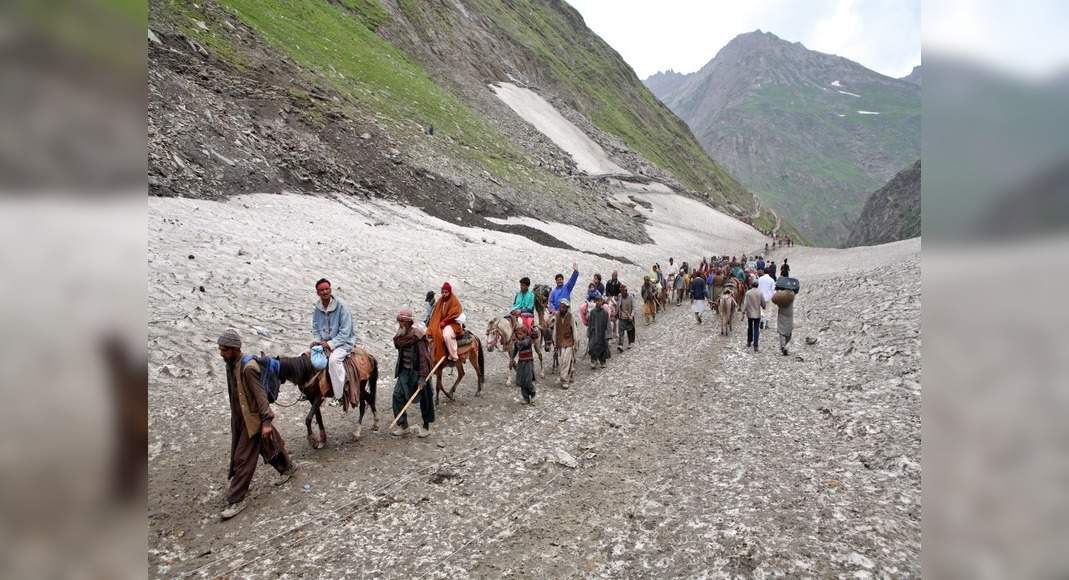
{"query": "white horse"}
[(499, 334)]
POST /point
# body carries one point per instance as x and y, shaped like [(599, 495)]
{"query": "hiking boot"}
[(593, 365), (285, 475), (602, 364), (233, 510), (785, 353), (749, 344), (619, 349), (358, 432), (564, 385), (420, 432), (399, 431)]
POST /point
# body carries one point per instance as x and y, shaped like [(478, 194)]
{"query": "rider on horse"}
[(524, 303), (332, 328), (444, 327)]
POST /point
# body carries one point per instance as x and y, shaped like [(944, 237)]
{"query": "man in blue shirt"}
[(332, 327), (563, 290)]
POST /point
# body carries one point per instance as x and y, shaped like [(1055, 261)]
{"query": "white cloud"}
[(683, 35)]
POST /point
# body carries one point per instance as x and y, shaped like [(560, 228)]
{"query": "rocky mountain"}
[(807, 132), (397, 100), (892, 212), (914, 76), (663, 83)]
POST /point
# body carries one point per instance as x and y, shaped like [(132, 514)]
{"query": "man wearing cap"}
[(564, 338), (251, 432), (563, 290), (332, 328), (598, 333), (413, 366)]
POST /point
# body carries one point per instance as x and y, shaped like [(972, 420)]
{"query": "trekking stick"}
[(414, 395)]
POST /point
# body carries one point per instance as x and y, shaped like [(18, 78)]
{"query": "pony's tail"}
[(482, 362)]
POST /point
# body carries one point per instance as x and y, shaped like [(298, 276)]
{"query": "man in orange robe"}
[(443, 326)]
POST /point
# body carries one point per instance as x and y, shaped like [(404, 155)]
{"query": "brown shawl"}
[(445, 310)]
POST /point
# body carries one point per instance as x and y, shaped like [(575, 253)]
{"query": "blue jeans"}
[(753, 331)]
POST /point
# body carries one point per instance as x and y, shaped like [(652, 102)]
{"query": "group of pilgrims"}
[(727, 284)]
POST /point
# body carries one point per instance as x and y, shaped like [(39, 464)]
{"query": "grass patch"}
[(337, 43)]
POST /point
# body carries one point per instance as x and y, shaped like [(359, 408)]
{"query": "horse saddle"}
[(464, 340), (358, 366)]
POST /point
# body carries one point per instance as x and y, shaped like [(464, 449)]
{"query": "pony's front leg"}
[(322, 429), (308, 422), (541, 367)]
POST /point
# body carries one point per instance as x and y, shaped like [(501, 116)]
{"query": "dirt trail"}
[(691, 455)]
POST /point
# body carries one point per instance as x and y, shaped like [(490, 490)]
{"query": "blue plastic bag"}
[(319, 358)]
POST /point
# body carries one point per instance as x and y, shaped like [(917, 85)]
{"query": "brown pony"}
[(471, 353), (738, 290)]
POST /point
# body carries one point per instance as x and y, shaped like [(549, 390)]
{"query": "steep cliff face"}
[(807, 132), (892, 212), (395, 100)]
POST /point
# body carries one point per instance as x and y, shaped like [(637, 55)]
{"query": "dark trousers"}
[(407, 383), (627, 327), (243, 462), (753, 331), (525, 378)]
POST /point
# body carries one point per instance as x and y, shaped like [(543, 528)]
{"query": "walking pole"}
[(414, 395)]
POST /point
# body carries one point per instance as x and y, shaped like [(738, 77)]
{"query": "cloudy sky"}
[(884, 35)]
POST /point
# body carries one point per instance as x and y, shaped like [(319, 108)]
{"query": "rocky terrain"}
[(892, 212), (259, 97), (914, 75), (809, 133), (688, 455)]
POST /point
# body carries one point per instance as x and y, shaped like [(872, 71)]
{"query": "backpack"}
[(269, 377)]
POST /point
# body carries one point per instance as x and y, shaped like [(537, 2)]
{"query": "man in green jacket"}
[(524, 303)]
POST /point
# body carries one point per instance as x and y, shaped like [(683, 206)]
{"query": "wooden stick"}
[(414, 395)]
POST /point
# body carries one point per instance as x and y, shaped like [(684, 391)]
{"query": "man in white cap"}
[(413, 366), (565, 340), (251, 433)]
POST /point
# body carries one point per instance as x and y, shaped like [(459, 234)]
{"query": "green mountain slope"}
[(808, 133), (392, 99)]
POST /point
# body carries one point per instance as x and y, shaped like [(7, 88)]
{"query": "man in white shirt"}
[(767, 286)]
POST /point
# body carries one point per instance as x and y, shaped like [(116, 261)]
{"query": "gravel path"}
[(687, 456)]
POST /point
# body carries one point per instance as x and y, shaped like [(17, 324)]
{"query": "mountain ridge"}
[(807, 132), (891, 213), (260, 96)]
